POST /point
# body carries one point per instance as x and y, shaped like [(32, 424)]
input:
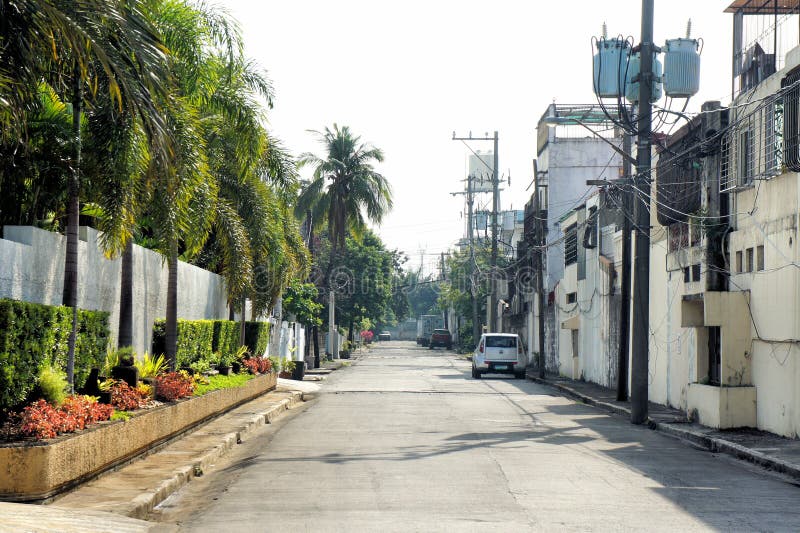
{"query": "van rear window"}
[(501, 342)]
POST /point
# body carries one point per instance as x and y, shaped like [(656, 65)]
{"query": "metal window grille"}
[(791, 119), (571, 245), (753, 147)]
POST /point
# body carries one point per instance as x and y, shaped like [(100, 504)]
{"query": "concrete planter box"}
[(722, 407), (36, 471)]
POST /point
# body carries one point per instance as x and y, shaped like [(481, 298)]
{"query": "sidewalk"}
[(764, 449)]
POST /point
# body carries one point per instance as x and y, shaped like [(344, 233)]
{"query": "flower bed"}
[(31, 471)]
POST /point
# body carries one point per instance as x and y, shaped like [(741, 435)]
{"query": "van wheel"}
[(475, 373)]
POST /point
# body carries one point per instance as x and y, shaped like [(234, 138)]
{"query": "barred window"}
[(791, 119), (571, 245)]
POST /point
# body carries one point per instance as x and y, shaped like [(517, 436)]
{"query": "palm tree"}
[(73, 45), (346, 190)]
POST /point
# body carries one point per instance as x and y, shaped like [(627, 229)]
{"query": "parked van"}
[(499, 353)]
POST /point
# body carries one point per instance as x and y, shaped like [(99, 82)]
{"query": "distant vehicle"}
[(384, 336), (425, 326), (499, 353), (441, 337)]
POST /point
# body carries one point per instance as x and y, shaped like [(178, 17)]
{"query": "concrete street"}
[(406, 440)]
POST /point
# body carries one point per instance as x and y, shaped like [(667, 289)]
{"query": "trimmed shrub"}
[(195, 340), (199, 339), (256, 337), (32, 335), (226, 336)]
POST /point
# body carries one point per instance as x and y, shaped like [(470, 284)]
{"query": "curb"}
[(145, 502), (711, 444)]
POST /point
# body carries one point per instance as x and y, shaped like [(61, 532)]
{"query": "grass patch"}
[(121, 415), (222, 382)]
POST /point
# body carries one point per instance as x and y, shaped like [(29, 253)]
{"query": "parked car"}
[(440, 337), (384, 336), (499, 353)]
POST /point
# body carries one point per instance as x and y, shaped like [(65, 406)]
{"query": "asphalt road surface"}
[(405, 440)]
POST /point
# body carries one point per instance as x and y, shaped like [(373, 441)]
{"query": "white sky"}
[(405, 75)]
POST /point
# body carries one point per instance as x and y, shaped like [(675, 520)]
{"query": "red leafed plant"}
[(41, 420), (173, 385), (126, 398), (258, 365)]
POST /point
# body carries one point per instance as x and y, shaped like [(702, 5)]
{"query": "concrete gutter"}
[(707, 442)]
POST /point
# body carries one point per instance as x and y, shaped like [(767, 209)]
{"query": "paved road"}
[(404, 440)]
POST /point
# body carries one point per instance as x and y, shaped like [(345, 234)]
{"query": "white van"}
[(499, 353)]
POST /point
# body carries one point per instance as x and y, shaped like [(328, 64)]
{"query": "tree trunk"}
[(70, 294), (242, 322), (126, 298), (171, 334), (231, 312), (350, 336)]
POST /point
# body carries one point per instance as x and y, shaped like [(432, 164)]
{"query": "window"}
[(749, 259), (572, 297), (739, 268), (744, 167), (791, 124), (760, 257), (500, 342), (773, 138), (686, 276), (571, 245), (696, 272)]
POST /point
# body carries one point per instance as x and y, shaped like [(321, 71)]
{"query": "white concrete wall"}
[(32, 269)]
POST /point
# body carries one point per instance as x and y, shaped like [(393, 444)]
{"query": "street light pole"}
[(641, 279)]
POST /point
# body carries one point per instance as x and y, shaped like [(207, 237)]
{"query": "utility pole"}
[(476, 326), (625, 278), (495, 209), (333, 337), (492, 299), (641, 280), (539, 242)]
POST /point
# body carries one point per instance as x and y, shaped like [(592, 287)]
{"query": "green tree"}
[(76, 46), (346, 190), (299, 300)]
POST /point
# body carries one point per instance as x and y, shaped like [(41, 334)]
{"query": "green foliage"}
[(112, 360), (199, 339), (287, 365), (200, 366), (256, 337), (300, 299), (53, 385), (226, 336), (222, 382), (195, 340), (121, 415), (151, 365), (125, 356), (34, 334)]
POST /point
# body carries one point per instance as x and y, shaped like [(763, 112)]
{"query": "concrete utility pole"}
[(625, 278), (491, 301), (476, 326), (495, 210), (539, 242), (641, 280)]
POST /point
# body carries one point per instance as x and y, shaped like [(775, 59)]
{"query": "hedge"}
[(199, 339), (256, 337), (35, 334)]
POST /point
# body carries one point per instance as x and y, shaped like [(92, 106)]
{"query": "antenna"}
[(689, 29), (604, 33)]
